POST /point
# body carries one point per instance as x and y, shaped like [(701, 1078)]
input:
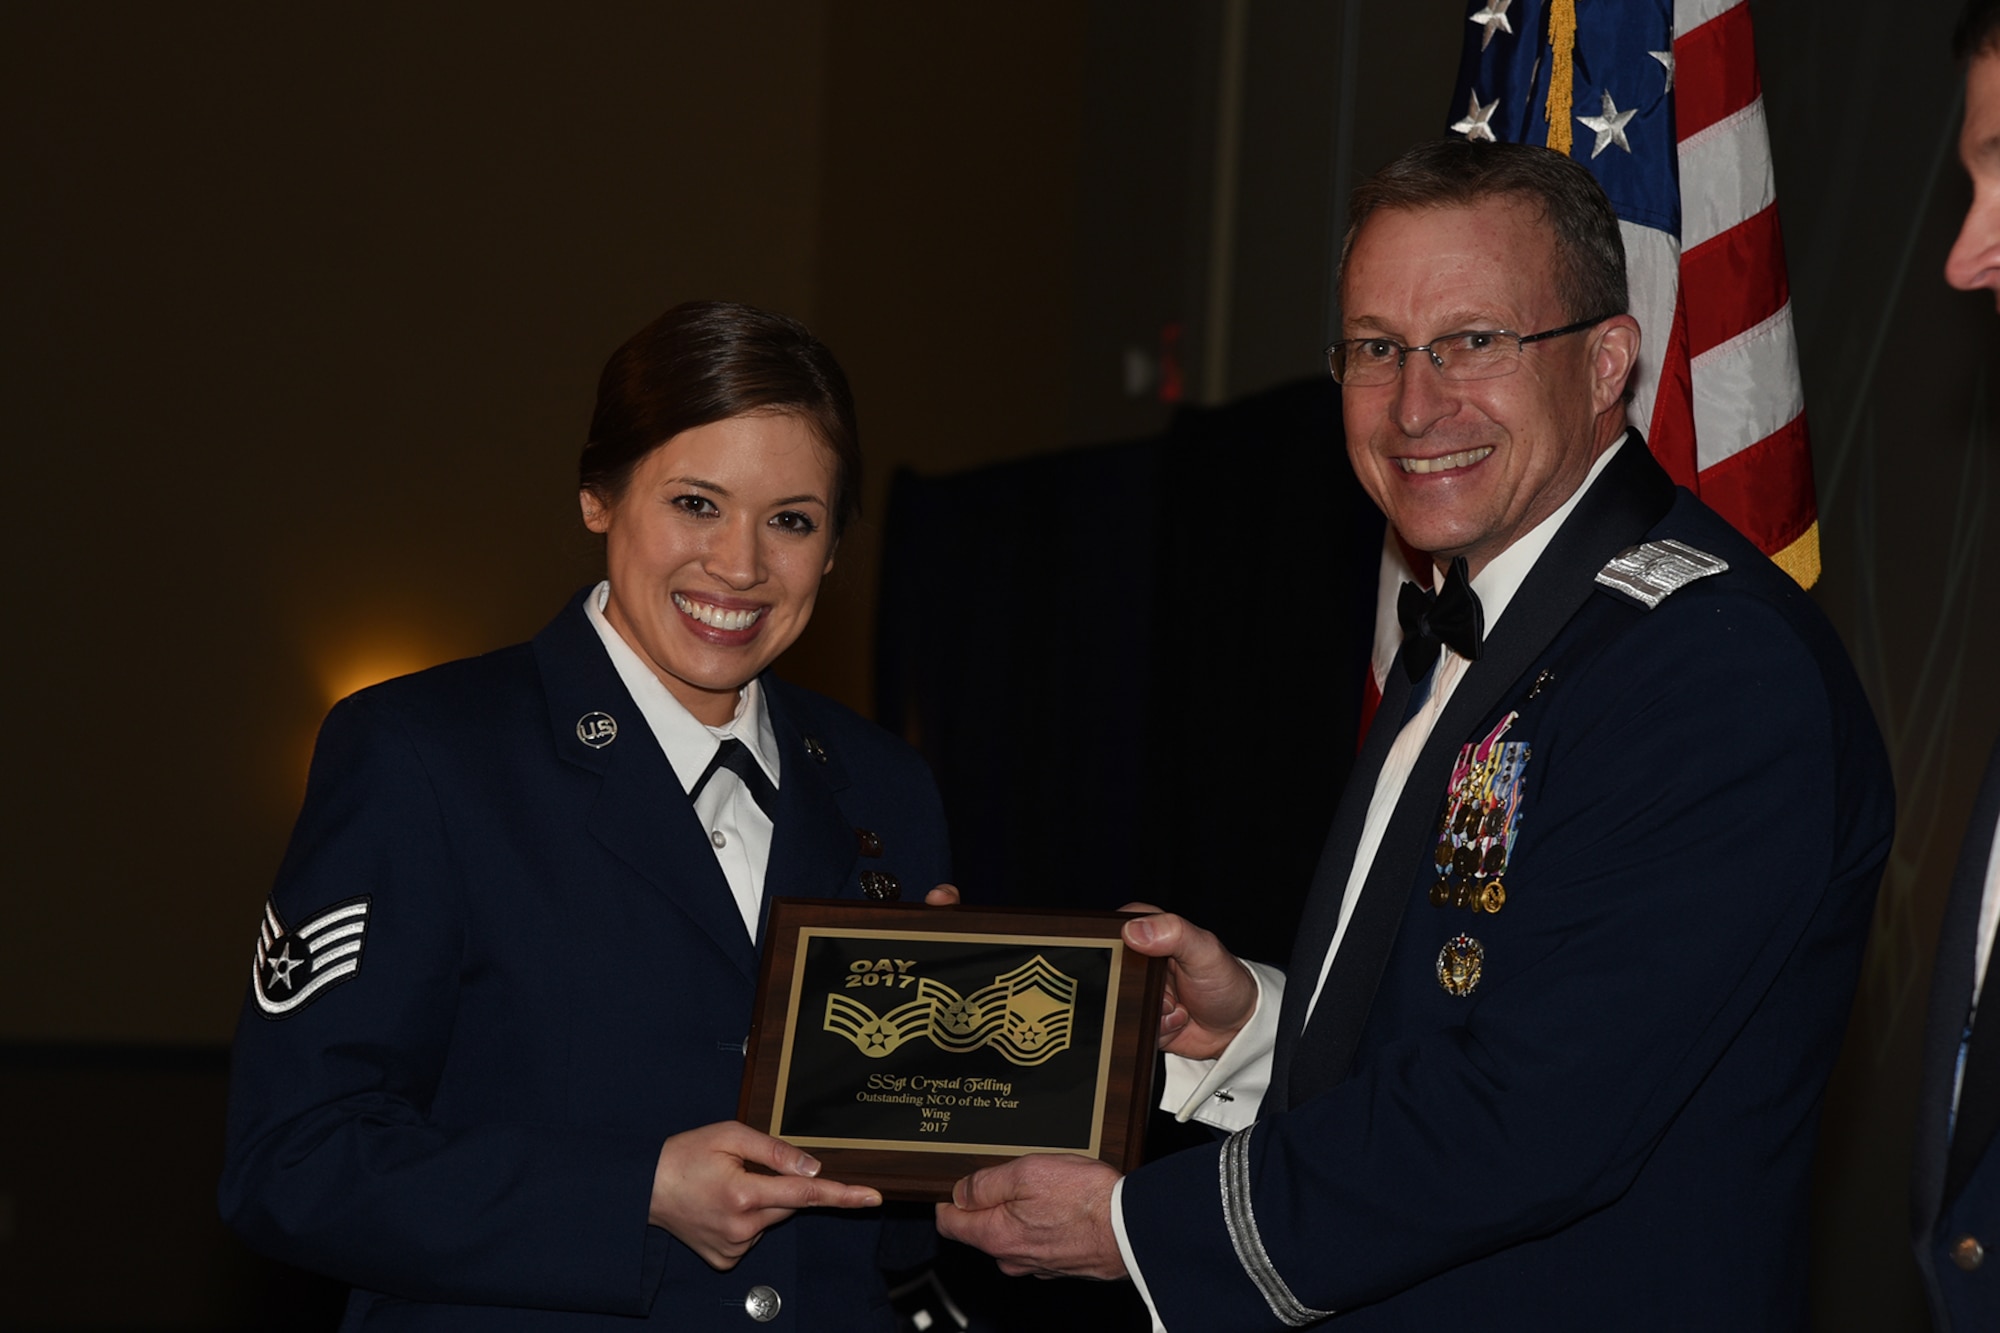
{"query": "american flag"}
[(1661, 100)]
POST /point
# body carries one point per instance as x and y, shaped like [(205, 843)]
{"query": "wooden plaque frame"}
[(818, 1076)]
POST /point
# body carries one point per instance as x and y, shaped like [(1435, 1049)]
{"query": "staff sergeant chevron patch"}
[(294, 965), (1652, 572)]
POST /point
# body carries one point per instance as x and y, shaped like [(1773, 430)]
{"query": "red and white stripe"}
[(1719, 396), (1717, 389)]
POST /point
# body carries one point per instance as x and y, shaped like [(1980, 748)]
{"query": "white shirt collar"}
[(688, 742), (1506, 572)]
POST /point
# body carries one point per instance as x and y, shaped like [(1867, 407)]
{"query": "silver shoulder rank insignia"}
[(294, 965), (1654, 571)]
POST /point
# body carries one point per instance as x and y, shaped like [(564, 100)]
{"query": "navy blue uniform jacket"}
[(554, 977), (1614, 1129), (1955, 1184)]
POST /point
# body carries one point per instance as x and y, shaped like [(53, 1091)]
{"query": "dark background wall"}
[(302, 317), (1900, 373)]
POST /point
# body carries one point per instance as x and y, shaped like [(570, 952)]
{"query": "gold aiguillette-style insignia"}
[(1026, 1015), (875, 1035), (1459, 965)]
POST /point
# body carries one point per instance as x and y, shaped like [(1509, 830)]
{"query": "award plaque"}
[(905, 1046)]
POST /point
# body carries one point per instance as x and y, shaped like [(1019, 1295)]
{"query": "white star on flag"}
[(1474, 126), (1717, 388), (1610, 126), (1493, 18)]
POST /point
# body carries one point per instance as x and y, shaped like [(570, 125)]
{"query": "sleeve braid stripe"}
[(1241, 1223)]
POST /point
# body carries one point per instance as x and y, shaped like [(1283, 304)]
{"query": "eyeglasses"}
[(1364, 363)]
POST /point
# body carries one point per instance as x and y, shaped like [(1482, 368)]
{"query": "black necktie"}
[(1450, 617), (734, 756)]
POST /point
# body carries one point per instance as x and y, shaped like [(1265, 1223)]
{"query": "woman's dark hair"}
[(707, 361), (1978, 30)]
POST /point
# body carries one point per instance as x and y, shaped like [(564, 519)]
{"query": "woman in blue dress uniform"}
[(488, 1065)]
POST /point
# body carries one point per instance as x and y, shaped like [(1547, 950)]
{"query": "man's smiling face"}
[(1468, 467)]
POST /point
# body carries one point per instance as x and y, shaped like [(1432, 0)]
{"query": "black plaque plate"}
[(905, 1046)]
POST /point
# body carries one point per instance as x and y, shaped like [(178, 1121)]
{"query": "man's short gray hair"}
[(1457, 173)]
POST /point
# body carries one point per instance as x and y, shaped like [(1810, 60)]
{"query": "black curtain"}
[(1136, 668)]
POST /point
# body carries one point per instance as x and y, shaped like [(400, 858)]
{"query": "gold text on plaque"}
[(1026, 1015)]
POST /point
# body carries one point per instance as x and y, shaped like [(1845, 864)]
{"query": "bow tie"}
[(1450, 617)]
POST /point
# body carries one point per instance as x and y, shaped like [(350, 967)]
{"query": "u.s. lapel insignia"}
[(1459, 965), (597, 730), (293, 966), (1654, 571), (1482, 818), (814, 748)]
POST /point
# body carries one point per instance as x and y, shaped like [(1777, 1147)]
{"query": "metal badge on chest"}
[(1481, 820)]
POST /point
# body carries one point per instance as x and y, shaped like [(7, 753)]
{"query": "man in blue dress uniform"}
[(1576, 964), (1955, 1186)]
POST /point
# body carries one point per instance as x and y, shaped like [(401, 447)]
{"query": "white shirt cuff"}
[(1125, 1252), (1226, 1091)]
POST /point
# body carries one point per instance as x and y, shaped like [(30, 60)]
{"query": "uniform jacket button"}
[(880, 886), (762, 1303), (1968, 1253)]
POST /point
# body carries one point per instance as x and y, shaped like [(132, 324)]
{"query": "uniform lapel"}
[(1628, 498), (1329, 886), (641, 816), (813, 846)]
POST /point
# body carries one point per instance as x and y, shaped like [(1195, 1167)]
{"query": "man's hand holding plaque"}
[(1050, 1216)]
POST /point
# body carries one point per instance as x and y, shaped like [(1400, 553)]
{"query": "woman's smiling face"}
[(715, 552)]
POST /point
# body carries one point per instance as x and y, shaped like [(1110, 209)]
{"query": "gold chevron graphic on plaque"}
[(1026, 1015)]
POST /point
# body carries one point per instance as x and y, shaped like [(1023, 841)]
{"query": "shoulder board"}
[(1653, 571)]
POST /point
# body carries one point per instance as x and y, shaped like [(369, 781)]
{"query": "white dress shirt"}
[(1982, 960), (738, 828), (1989, 917), (1225, 1092)]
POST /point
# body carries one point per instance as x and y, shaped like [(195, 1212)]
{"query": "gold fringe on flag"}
[(1801, 558), (1562, 94)]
